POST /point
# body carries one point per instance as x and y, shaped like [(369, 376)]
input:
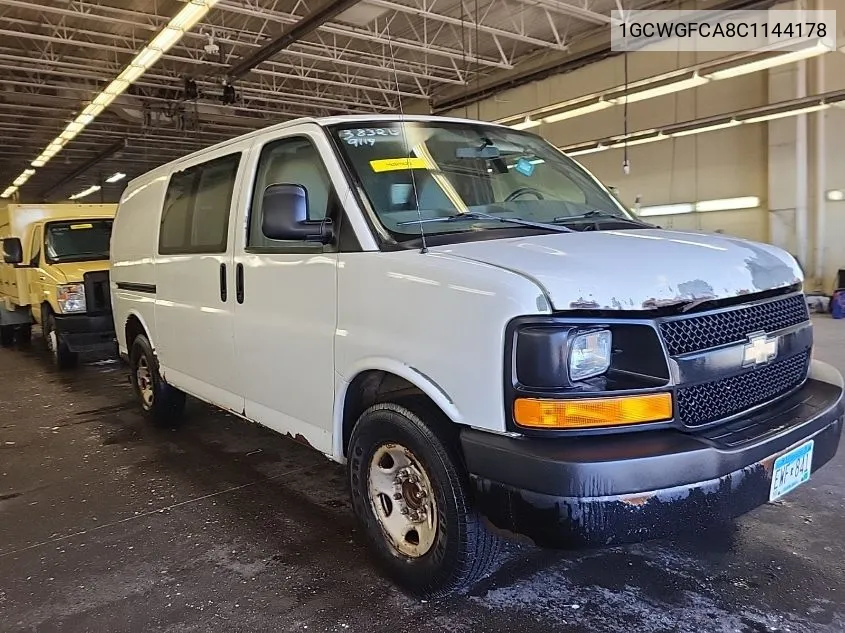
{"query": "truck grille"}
[(708, 402), (696, 333), (97, 292)]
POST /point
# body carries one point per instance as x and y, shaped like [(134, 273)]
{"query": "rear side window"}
[(195, 218)]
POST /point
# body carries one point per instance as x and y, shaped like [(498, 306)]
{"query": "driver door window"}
[(290, 161)]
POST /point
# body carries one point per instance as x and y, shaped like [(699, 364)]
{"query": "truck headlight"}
[(71, 298), (554, 357), (589, 354)]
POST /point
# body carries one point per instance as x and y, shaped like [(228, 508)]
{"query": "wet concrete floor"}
[(109, 525)]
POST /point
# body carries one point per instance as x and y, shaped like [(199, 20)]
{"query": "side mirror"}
[(286, 216), (12, 250)]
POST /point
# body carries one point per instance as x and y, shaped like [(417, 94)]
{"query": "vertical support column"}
[(820, 143), (802, 189)]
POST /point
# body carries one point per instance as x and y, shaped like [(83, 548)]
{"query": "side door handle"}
[(239, 282), (224, 292)]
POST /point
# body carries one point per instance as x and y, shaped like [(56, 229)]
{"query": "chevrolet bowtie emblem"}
[(759, 350)]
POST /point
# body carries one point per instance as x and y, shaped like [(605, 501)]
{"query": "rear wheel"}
[(63, 358), (162, 404), (410, 494), (7, 335), (23, 335)]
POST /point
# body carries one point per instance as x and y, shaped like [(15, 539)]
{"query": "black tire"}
[(23, 335), (463, 549), (7, 335), (161, 403), (63, 358)]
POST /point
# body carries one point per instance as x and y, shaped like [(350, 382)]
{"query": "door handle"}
[(239, 282), (224, 294)]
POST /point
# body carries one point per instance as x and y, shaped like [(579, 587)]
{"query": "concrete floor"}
[(108, 525)]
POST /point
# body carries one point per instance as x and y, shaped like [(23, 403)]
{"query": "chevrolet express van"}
[(476, 327), (55, 274)]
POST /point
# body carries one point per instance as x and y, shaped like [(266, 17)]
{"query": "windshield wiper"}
[(596, 213), (478, 215)]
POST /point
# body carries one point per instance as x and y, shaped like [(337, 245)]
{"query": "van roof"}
[(321, 121)]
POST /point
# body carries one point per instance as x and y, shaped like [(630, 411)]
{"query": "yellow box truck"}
[(55, 273)]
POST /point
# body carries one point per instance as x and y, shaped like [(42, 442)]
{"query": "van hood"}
[(73, 271), (638, 269)]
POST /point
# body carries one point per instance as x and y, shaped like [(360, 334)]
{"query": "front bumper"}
[(86, 332), (610, 489)]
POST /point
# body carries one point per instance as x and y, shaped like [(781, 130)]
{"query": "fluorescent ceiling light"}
[(601, 104), (40, 161), (769, 62), (590, 150), (666, 209), (116, 177), (166, 38), (9, 192), (659, 91), (728, 204), (92, 110), (788, 113), (103, 100), (131, 73), (116, 88), (86, 192), (527, 124), (706, 128), (190, 14), (84, 119), (20, 180), (639, 141), (146, 58), (836, 195)]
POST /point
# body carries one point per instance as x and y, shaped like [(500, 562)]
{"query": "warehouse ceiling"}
[(374, 56)]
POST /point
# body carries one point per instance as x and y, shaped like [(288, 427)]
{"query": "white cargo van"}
[(475, 326)]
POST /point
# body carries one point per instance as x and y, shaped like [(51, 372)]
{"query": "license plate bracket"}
[(791, 469)]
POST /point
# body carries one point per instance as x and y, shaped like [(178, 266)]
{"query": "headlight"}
[(555, 356), (71, 298), (589, 354)]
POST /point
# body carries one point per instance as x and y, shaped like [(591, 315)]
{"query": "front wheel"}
[(161, 403), (63, 358), (410, 494)]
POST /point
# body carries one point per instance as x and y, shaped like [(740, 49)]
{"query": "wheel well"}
[(371, 387), (133, 329)]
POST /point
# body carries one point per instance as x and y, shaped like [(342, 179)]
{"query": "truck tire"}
[(409, 492), (162, 404), (7, 335), (23, 335), (63, 358)]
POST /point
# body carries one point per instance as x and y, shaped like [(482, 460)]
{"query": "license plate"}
[(791, 470)]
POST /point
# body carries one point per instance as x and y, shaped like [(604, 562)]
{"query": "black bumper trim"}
[(86, 332), (616, 489)]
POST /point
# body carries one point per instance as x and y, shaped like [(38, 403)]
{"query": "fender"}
[(133, 312), (390, 365)]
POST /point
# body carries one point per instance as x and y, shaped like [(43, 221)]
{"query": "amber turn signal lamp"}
[(588, 413)]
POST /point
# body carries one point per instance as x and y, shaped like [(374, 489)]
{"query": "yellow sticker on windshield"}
[(396, 164), (82, 226)]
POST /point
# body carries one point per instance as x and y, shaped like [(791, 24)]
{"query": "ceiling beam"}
[(306, 26)]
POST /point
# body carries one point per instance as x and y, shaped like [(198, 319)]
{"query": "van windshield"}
[(458, 177), (77, 241)]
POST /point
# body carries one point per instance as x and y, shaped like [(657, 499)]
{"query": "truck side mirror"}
[(286, 216), (12, 250)]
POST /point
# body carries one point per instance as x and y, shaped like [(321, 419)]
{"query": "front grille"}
[(696, 333), (97, 292), (708, 402)]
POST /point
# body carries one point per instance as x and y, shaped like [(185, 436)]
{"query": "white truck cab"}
[(472, 323)]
